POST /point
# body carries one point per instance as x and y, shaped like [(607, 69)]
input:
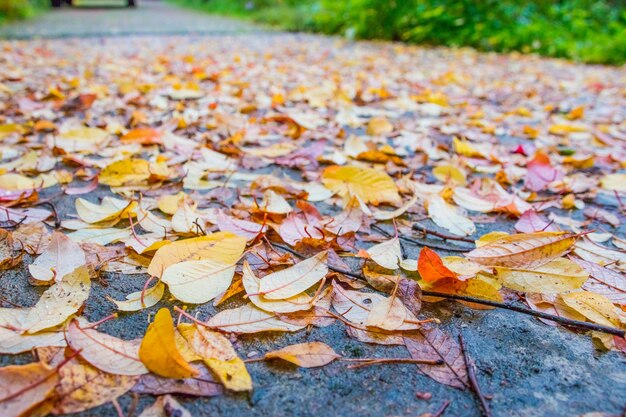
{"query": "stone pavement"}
[(148, 18)]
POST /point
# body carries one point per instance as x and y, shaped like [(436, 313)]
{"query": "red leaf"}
[(431, 267)]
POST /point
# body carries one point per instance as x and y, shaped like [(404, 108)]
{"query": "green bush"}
[(20, 9), (591, 31)]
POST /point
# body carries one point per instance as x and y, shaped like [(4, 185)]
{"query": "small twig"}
[(442, 409), (376, 361), (471, 374), (117, 407), (420, 243), (507, 306), (444, 236)]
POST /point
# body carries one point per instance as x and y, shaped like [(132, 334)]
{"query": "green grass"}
[(592, 31)]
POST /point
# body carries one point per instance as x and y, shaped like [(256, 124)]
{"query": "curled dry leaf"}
[(105, 352), (292, 281), (23, 387), (158, 350), (305, 355), (525, 250), (61, 257)]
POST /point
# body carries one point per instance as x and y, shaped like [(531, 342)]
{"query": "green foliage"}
[(591, 31), (20, 9)]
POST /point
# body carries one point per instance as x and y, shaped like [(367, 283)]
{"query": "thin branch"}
[(376, 361), (442, 409), (507, 306), (444, 236), (471, 374), (420, 243)]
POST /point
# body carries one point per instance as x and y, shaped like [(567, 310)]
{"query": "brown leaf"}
[(434, 344), (23, 387)]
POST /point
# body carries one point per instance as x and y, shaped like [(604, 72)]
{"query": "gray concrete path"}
[(150, 17)]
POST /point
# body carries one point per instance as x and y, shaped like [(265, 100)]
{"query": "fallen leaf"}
[(105, 352), (23, 387), (525, 250), (61, 257), (434, 344), (158, 350), (291, 281), (557, 276), (370, 185), (431, 267), (305, 355)]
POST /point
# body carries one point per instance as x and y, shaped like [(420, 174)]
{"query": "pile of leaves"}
[(282, 182)]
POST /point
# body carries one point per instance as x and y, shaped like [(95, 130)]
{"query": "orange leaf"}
[(431, 267)]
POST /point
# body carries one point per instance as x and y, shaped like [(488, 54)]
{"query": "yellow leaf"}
[(80, 139), (232, 373), (562, 129), (524, 250), (370, 185), (17, 182), (111, 209), (305, 355), (445, 173), (131, 171), (158, 349), (169, 204), (595, 307), (378, 126), (222, 247), (559, 275), (490, 237), (465, 148), (291, 281)]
